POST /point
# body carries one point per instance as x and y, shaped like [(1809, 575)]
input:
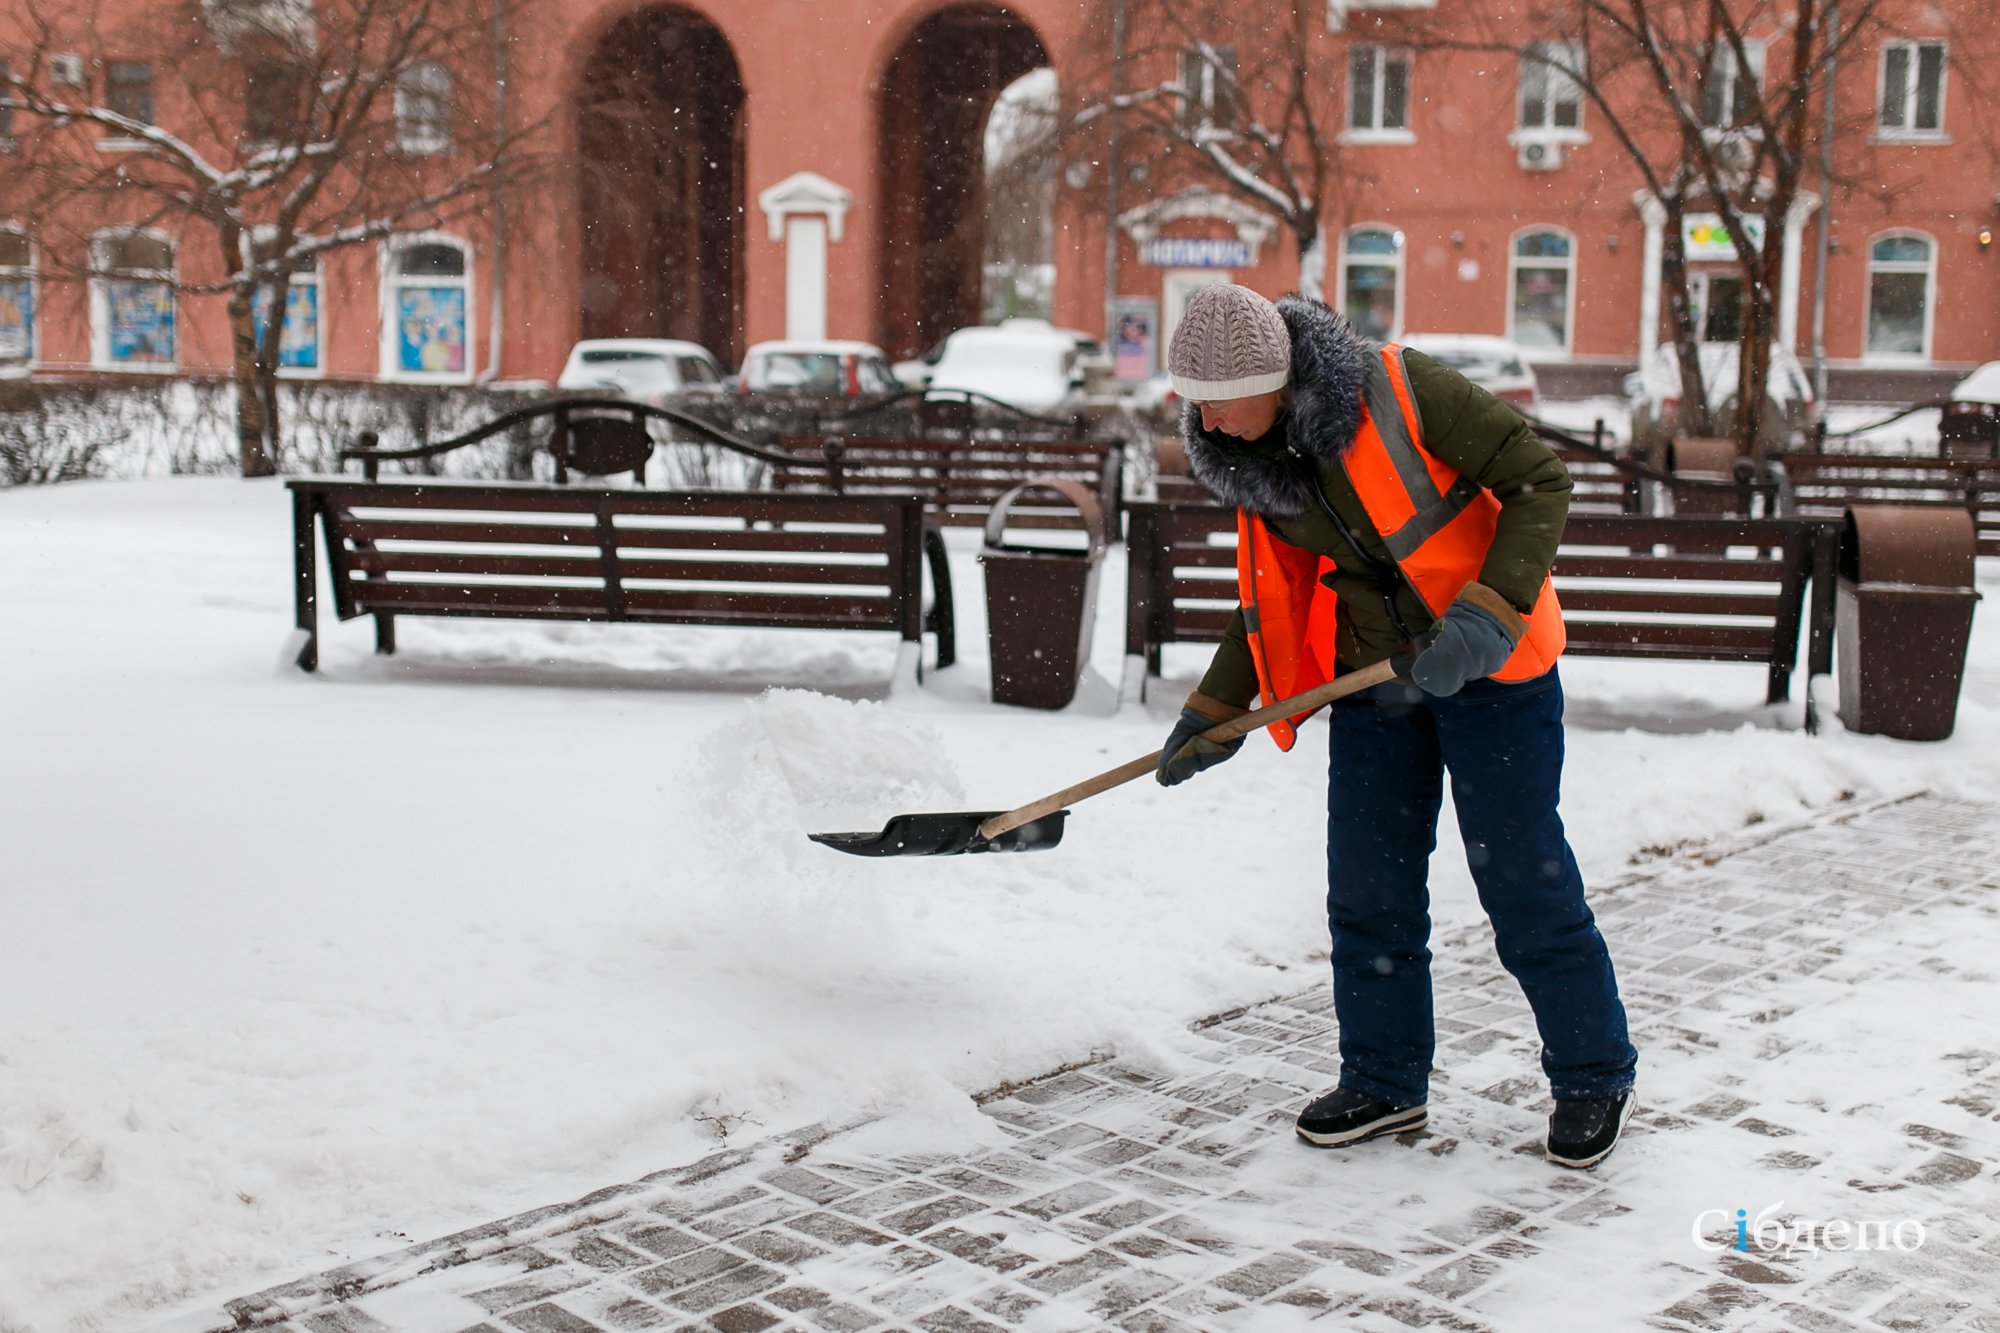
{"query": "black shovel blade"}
[(946, 835)]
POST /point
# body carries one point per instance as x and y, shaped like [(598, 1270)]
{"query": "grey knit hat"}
[(1230, 343)]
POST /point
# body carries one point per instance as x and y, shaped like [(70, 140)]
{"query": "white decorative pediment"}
[(1253, 225), (806, 192)]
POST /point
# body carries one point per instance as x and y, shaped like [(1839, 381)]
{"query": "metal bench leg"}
[(305, 582), (385, 633)]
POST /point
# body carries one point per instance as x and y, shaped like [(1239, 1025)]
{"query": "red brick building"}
[(811, 167)]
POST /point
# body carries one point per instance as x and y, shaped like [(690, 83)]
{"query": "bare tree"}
[(288, 129), (1239, 94), (1719, 105)]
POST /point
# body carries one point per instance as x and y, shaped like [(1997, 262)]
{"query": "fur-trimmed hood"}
[(1330, 364)]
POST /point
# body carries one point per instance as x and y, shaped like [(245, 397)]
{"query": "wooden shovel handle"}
[(1224, 731)]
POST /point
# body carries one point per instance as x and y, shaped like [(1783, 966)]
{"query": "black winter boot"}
[(1345, 1116), (1583, 1133)]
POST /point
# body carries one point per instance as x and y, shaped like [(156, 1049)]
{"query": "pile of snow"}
[(297, 969)]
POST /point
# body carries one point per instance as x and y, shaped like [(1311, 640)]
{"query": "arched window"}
[(17, 299), (299, 353), (427, 309), (132, 313), (1541, 286), (1902, 278), (1371, 281)]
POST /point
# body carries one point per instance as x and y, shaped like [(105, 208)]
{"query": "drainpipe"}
[(1111, 191), (495, 306), (1825, 223)]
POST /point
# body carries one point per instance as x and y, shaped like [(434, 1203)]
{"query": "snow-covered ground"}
[(294, 969)]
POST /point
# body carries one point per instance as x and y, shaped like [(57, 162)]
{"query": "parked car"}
[(917, 373), (1026, 364), (643, 369), (1654, 390), (836, 369), (1494, 364)]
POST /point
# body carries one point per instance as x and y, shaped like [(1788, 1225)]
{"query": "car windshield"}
[(811, 372), (694, 370), (630, 368)]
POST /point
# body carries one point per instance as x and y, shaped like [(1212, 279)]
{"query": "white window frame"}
[(31, 274), (1722, 65), (423, 138), (1516, 262), (1198, 109), (1377, 132), (1569, 55), (389, 283), (1929, 269), (1375, 261), (101, 275), (1906, 132), (310, 279)]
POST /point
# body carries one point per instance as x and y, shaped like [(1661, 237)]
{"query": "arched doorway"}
[(936, 94), (660, 147)]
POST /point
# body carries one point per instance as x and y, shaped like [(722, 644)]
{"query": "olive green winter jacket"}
[(1463, 426)]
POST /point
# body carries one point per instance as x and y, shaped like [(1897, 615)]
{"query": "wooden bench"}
[(1828, 484), (959, 478), (526, 551), (1703, 589)]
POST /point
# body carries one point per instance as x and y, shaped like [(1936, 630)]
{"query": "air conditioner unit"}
[(67, 70), (1537, 155)]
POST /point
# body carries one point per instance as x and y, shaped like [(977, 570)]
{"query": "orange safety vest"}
[(1436, 523)]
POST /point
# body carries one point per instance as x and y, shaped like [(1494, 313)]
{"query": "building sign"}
[(298, 343), (430, 330), (1704, 237), (1191, 252), (142, 321), (17, 320)]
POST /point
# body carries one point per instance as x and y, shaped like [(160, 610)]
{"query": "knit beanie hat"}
[(1230, 343)]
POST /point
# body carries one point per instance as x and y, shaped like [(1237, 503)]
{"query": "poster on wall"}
[(298, 341), (1138, 322), (17, 321), (430, 330), (142, 321)]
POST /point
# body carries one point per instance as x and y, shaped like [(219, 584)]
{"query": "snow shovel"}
[(1038, 825)]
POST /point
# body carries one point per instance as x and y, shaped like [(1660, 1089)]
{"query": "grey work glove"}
[(1186, 753), (1466, 643)]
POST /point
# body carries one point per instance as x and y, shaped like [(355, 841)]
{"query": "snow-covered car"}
[(917, 371), (1025, 364), (1654, 390), (1494, 364), (643, 369), (833, 368)]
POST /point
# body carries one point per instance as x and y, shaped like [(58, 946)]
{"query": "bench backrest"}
[(960, 479), (1691, 588), (709, 558), (1827, 484)]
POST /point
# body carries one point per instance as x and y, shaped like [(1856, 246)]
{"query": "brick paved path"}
[(1116, 1196)]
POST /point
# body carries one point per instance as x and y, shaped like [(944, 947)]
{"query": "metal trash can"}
[(1903, 617), (1041, 604), (1697, 459)]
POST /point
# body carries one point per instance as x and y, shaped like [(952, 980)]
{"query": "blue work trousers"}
[(1503, 746)]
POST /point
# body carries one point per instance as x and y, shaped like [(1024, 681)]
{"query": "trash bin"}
[(1041, 604), (1903, 616), (1697, 459)]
